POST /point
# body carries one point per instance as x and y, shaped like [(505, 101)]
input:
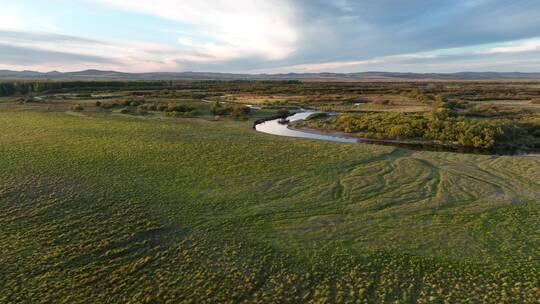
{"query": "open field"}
[(99, 206), (147, 210)]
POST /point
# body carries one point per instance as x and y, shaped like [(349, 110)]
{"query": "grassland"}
[(99, 206), (121, 209)]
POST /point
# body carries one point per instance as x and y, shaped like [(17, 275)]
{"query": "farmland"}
[(153, 195)]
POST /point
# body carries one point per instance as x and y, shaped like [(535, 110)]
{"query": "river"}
[(275, 127)]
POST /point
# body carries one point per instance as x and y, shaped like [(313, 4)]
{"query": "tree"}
[(283, 113)]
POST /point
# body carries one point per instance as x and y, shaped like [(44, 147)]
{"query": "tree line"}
[(29, 87), (486, 134)]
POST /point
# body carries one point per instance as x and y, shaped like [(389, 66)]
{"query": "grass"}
[(126, 209)]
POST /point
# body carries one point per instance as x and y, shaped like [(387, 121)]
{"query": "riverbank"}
[(453, 133), (294, 128), (417, 145)]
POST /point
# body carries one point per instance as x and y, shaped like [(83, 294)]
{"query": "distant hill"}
[(362, 76)]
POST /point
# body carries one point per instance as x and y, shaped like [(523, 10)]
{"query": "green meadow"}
[(113, 208)]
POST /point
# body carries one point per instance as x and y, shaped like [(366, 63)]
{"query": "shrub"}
[(380, 101), (132, 101), (458, 103), (76, 107), (489, 110), (173, 107), (146, 107), (190, 114), (109, 104), (283, 113), (418, 95), (239, 111), (484, 110), (466, 132), (142, 109), (442, 108), (172, 114), (219, 109)]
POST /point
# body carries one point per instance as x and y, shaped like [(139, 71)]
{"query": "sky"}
[(270, 36)]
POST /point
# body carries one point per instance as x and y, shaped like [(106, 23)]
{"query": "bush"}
[(172, 114), (174, 107), (484, 110), (76, 107), (458, 103), (109, 104), (283, 113), (125, 111), (380, 101), (418, 95), (133, 101), (466, 132), (142, 110), (442, 108), (218, 109), (147, 107), (490, 110), (191, 114), (239, 111)]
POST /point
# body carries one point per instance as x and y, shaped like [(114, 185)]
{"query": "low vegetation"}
[(101, 207), (486, 134), (76, 108), (489, 110)]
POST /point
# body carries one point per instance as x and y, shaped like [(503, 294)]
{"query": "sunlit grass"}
[(118, 209)]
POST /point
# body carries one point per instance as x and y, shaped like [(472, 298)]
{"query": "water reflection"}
[(276, 128)]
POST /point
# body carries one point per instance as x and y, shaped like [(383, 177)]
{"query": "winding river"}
[(276, 127)]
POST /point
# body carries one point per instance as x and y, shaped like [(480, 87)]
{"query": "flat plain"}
[(110, 207)]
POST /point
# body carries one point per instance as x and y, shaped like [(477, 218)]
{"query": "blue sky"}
[(270, 36)]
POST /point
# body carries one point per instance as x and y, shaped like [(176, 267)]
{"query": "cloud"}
[(488, 58), (227, 29), (46, 51), (276, 35), (14, 55), (517, 47), (320, 67), (359, 30), (13, 36)]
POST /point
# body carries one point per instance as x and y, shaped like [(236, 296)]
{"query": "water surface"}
[(276, 128)]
